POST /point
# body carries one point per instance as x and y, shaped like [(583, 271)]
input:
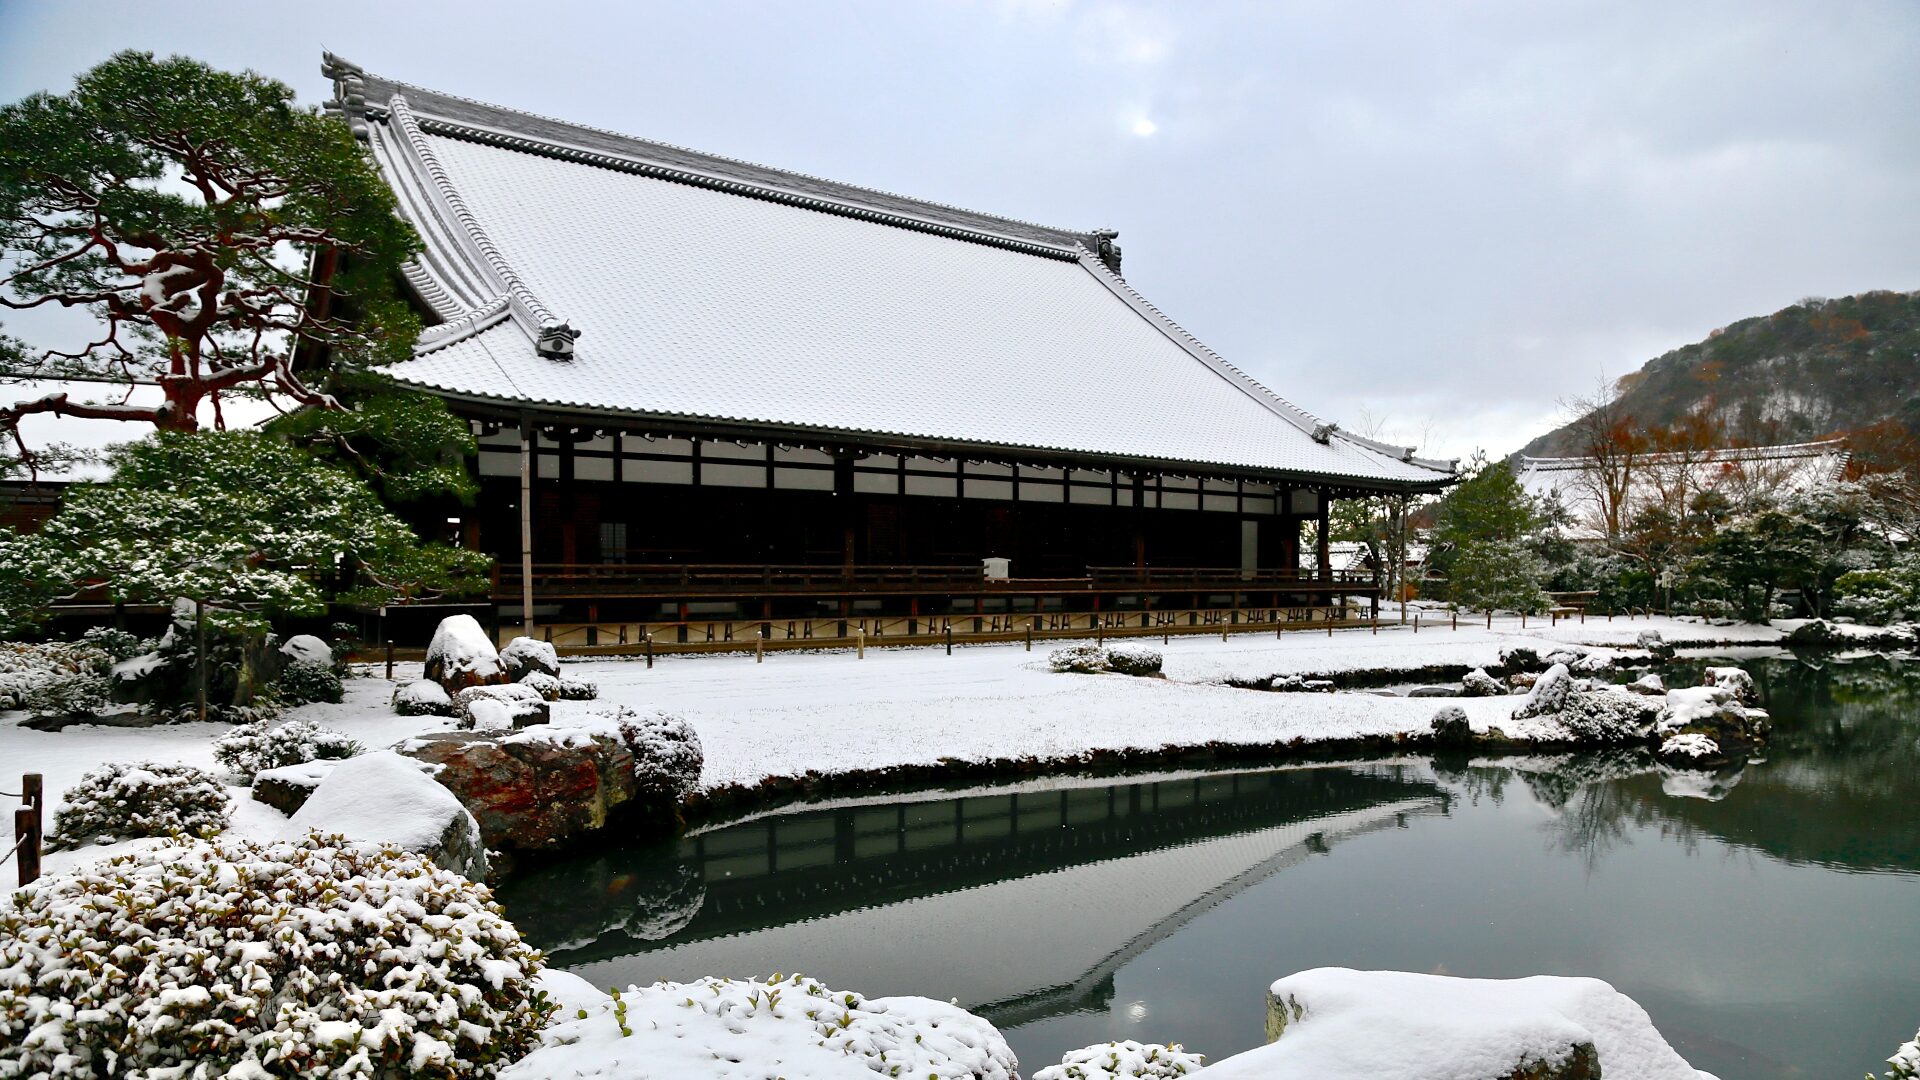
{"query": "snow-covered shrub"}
[(523, 656), (117, 644), (495, 708), (303, 681), (1134, 660), (572, 689), (253, 748), (144, 798), (790, 1026), (1607, 714), (423, 697), (1906, 1060), (232, 958), (58, 676), (1079, 659), (667, 756), (1126, 1060), (1477, 683)]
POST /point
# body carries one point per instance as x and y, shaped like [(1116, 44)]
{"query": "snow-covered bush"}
[(303, 681), (423, 697), (559, 687), (117, 644), (1548, 695), (1079, 659), (58, 676), (523, 656), (495, 708), (1134, 660), (1126, 1060), (232, 958), (572, 689), (1906, 1060), (667, 755), (144, 798), (252, 748), (791, 1026), (1607, 714), (1095, 659)]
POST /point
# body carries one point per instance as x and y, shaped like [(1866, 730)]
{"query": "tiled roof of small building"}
[(705, 289)]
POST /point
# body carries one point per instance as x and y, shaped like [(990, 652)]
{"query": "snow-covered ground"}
[(827, 713)]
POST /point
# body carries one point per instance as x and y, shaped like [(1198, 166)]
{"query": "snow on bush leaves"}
[(1125, 1060), (59, 676), (142, 798), (242, 959), (253, 748), (749, 1028), (303, 681)]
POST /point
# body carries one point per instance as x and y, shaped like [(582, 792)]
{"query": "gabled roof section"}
[(706, 289)]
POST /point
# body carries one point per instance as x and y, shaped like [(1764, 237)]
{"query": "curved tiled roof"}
[(707, 289)]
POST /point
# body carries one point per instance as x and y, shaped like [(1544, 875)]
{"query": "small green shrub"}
[(145, 798)]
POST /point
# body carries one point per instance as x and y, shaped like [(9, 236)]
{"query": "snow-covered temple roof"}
[(702, 289)]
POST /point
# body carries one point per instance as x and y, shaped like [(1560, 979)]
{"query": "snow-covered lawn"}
[(800, 713)]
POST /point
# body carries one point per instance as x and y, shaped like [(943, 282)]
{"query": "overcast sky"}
[(1433, 220)]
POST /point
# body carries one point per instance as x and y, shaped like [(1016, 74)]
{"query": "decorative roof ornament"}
[(556, 340), (1323, 433), (1108, 251), (349, 101)]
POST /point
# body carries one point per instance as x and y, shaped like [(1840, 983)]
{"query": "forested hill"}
[(1818, 368)]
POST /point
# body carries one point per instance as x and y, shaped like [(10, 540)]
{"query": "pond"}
[(1768, 918)]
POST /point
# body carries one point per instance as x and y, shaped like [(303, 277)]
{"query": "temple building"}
[(717, 399)]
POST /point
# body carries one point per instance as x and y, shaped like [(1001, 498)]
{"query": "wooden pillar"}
[(1320, 542), (526, 525)]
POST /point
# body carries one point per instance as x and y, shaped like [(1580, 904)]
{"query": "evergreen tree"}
[(1482, 534)]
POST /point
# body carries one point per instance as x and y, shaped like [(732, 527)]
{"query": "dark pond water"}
[(1768, 919)]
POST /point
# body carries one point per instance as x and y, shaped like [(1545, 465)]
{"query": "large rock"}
[(1339, 1024), (1548, 694), (1477, 683), (462, 655), (1737, 680), (1714, 712), (546, 787), (1450, 727), (288, 787), (501, 708), (1651, 641), (523, 656), (384, 798)]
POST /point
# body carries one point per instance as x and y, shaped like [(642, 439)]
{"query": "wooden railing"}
[(722, 635), (591, 580)]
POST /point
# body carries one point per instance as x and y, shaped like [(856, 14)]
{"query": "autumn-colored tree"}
[(1605, 436)]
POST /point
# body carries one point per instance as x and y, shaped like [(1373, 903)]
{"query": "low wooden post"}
[(28, 827), (649, 650), (1416, 622), (389, 659), (863, 638), (1456, 620), (1030, 623), (1583, 616), (1489, 618), (759, 649), (1523, 620), (860, 642)]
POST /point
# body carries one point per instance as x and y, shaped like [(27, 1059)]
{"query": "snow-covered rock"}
[(1651, 641), (749, 1029), (1650, 684), (1340, 1024), (1607, 714), (423, 697), (287, 788), (364, 963), (462, 655), (307, 649), (559, 687), (1521, 658), (501, 707), (523, 656), (1548, 694), (1125, 1060), (1566, 654), (384, 798), (1737, 680), (1451, 727), (1477, 683), (1299, 684), (1591, 664)]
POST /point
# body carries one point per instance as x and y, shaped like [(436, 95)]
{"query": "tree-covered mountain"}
[(1816, 369)]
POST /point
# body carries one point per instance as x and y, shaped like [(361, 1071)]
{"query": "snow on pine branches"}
[(143, 798), (1125, 1060), (253, 748), (233, 958)]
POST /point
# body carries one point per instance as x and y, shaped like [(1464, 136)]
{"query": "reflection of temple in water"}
[(1032, 885)]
